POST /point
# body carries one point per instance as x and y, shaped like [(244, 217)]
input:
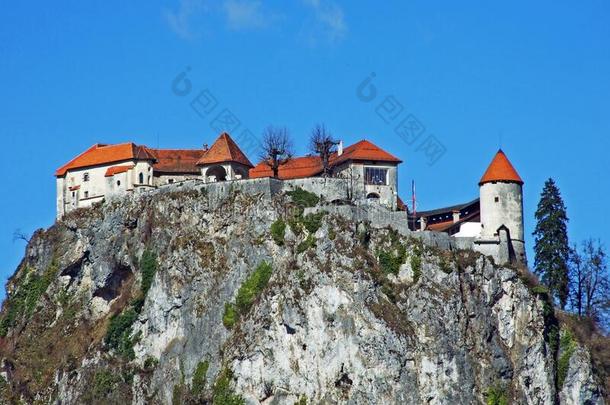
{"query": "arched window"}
[(118, 183), (372, 196), (141, 178)]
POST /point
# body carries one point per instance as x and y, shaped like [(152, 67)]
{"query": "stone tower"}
[(501, 192)]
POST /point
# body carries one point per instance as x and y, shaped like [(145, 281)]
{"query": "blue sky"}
[(533, 76)]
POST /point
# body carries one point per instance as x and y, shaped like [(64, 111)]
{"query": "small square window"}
[(86, 177), (118, 183), (497, 199), (86, 194)]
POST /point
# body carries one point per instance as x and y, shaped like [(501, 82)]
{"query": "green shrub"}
[(246, 294), (104, 383), (253, 285), (230, 315), (222, 393), (332, 234), (303, 198), (416, 267), (118, 336), (313, 222), (150, 363), (496, 395), (540, 290), (309, 242), (199, 377), (567, 346), (278, 229), (148, 267), (23, 302), (301, 401), (390, 261)]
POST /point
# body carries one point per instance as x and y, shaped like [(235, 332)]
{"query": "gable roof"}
[(100, 154), (176, 160), (295, 168), (500, 169), (363, 150), (111, 171), (223, 150)]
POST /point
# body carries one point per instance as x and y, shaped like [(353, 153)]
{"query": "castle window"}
[(86, 194), (497, 199), (375, 176), (170, 181), (86, 177), (141, 178), (118, 183)]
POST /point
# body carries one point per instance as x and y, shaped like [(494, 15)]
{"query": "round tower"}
[(501, 193)]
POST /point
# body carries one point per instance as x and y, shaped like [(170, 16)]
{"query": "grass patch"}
[(118, 336), (23, 302), (496, 395), (247, 294), (567, 346), (148, 267), (199, 377), (222, 393), (278, 230), (230, 316), (309, 242)]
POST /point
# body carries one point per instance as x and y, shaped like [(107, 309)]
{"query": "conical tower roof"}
[(501, 169), (224, 150)]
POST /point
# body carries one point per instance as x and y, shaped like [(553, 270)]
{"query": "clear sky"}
[(533, 76)]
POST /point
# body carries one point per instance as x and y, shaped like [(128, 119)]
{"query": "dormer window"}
[(86, 176)]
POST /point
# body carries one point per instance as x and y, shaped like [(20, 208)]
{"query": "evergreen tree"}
[(551, 243)]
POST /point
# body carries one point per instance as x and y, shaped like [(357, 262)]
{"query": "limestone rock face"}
[(351, 313)]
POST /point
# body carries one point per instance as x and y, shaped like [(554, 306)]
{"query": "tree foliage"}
[(551, 243)]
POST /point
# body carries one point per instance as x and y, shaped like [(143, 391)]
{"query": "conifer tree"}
[(551, 243)]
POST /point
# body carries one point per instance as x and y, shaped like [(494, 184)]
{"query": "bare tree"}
[(322, 143), (19, 235), (276, 148), (591, 281)]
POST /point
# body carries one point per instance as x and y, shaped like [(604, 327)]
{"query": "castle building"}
[(494, 221), (370, 171), (106, 171), (362, 173)]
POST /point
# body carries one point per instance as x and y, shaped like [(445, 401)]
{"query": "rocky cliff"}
[(170, 298)]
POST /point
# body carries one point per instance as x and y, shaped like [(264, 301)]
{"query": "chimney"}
[(205, 147), (456, 216), (422, 223), (340, 148)]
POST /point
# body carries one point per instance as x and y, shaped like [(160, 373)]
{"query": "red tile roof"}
[(364, 150), (111, 171), (295, 168), (103, 154), (224, 150), (308, 166), (177, 160), (500, 169)]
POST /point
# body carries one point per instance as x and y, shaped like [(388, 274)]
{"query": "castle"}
[(362, 174)]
